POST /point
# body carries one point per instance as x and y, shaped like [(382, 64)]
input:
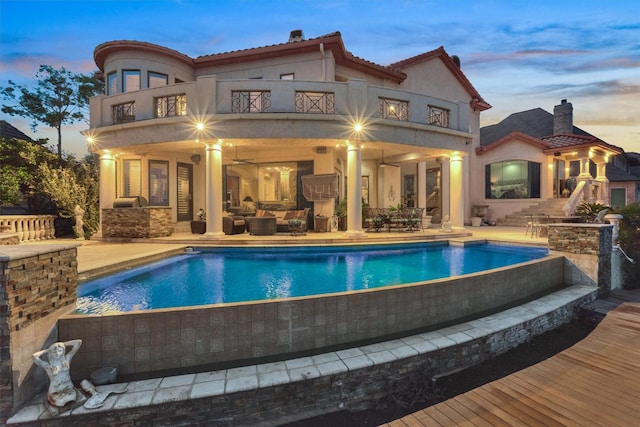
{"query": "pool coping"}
[(158, 391)]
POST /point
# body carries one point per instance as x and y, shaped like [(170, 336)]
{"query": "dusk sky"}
[(519, 55)]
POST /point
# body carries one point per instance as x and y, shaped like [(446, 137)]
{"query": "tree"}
[(60, 97), (74, 189), (19, 175)]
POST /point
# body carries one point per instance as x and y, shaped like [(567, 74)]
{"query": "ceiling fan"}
[(384, 164), (239, 161)]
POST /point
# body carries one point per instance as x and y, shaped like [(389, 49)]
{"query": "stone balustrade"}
[(29, 227)]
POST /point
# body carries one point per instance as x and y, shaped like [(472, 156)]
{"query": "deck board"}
[(595, 382)]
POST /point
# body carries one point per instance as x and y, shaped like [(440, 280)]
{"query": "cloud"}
[(592, 89)]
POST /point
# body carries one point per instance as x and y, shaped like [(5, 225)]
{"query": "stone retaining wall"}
[(142, 222), (587, 248), (37, 286), (357, 389)]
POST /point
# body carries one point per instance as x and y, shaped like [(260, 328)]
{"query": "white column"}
[(213, 190), (107, 182), (422, 185), (456, 198), (445, 178), (603, 196), (354, 192)]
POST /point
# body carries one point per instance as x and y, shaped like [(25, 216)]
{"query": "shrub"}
[(629, 239), (589, 211)]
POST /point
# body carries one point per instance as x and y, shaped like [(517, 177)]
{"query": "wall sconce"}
[(195, 158)]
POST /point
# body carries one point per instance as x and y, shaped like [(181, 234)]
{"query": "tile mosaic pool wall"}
[(159, 340)]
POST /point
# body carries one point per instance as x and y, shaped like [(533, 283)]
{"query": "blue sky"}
[(518, 54)]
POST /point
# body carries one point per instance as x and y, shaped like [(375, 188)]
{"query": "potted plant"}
[(341, 213), (200, 225), (589, 211)]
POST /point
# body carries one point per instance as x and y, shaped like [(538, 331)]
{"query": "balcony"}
[(303, 101)]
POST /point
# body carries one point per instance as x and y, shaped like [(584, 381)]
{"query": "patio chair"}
[(530, 225), (543, 225), (415, 218)]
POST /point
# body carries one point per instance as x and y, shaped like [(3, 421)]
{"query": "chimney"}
[(563, 118), (296, 36)]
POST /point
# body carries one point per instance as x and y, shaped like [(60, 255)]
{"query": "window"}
[(618, 197), (250, 101), (365, 189), (289, 76), (393, 109), (512, 179), (168, 106), (112, 83), (437, 116), (131, 177), (277, 182), (130, 80), (158, 183), (315, 102), (157, 79)]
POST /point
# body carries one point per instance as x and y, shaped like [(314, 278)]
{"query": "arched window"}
[(512, 179)]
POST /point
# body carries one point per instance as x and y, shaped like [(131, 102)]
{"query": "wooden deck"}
[(595, 382)]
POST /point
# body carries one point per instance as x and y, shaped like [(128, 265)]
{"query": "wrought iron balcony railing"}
[(315, 102), (123, 113), (251, 101), (169, 106), (437, 116), (393, 109)]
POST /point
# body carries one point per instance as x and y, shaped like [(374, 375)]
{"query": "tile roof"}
[(536, 122), (331, 41), (616, 174), (563, 141)]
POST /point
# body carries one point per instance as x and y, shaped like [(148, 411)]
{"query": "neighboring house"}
[(230, 130), (532, 156), (8, 131)]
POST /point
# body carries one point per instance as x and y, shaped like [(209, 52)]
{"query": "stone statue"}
[(61, 389), (79, 213), (446, 224)]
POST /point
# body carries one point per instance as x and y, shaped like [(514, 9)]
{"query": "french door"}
[(185, 192)]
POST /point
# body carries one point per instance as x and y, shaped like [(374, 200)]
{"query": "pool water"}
[(225, 275)]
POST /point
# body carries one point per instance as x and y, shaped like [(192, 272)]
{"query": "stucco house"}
[(535, 157), (229, 131)]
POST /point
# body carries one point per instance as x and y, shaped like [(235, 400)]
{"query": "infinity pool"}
[(224, 275)]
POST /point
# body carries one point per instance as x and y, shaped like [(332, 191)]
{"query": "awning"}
[(320, 187)]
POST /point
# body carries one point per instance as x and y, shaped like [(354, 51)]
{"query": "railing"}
[(29, 227), (168, 106), (124, 113), (315, 102), (438, 116), (393, 109), (251, 101), (575, 199)]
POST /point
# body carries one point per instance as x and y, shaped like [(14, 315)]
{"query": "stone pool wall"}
[(587, 248), (164, 340), (37, 286)]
